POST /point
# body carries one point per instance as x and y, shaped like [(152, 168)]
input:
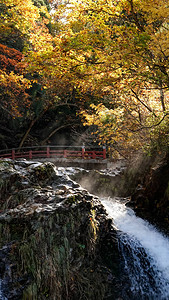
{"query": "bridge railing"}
[(53, 152)]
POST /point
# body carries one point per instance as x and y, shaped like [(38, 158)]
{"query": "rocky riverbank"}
[(56, 240), (144, 180)]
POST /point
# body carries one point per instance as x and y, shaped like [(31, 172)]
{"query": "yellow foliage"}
[(14, 99), (22, 14), (115, 50)]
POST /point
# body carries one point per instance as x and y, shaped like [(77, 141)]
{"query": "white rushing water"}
[(145, 252)]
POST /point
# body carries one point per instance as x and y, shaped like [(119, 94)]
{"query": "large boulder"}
[(56, 240)]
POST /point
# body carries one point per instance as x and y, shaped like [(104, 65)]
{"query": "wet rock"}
[(53, 236), (151, 199)]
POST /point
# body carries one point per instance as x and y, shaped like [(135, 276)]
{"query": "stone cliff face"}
[(56, 240), (151, 197)]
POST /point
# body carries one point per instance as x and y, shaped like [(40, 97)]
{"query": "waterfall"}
[(144, 250)]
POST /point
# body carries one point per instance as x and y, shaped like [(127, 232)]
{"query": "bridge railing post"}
[(104, 152), (83, 151), (65, 153), (13, 153), (48, 152), (30, 154)]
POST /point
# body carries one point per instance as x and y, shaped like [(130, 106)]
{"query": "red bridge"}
[(53, 152)]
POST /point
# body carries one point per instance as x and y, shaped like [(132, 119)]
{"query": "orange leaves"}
[(25, 19), (10, 59), (10, 52), (13, 86)]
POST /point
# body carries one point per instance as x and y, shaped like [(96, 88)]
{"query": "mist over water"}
[(145, 252)]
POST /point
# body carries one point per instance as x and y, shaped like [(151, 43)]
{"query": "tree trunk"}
[(144, 104), (162, 97), (29, 129), (26, 134)]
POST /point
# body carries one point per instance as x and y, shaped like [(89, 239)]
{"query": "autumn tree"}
[(119, 50), (113, 53), (21, 18), (26, 22), (13, 85)]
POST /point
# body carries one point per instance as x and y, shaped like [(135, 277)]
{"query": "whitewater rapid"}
[(145, 252)]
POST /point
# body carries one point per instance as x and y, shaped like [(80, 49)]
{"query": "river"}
[(145, 252)]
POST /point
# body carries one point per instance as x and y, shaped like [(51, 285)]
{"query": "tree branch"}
[(152, 126), (137, 23), (145, 105), (54, 131)]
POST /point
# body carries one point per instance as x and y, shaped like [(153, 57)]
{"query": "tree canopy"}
[(114, 54), (120, 50)]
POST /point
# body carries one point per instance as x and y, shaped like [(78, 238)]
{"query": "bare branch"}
[(145, 105), (152, 126), (55, 130)]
